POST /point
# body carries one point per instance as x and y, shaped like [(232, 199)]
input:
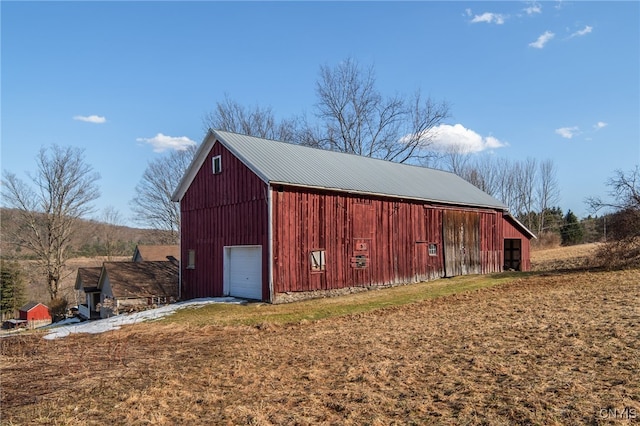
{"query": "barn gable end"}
[(517, 245), (223, 209)]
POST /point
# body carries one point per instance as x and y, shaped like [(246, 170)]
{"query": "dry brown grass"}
[(547, 349), (563, 258), (619, 254), (36, 287)]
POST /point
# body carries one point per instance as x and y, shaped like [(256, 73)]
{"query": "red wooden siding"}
[(220, 210), (511, 231), (368, 241), (365, 240), (38, 313), (491, 244)]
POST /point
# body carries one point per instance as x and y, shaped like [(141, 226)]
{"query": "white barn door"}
[(243, 272)]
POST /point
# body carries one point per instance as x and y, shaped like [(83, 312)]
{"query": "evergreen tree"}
[(553, 219), (571, 232), (12, 290)]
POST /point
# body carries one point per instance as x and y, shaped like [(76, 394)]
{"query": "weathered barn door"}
[(461, 242)]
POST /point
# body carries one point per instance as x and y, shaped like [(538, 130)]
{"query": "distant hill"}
[(92, 238), (92, 243)]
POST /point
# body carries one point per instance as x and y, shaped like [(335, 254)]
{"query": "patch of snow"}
[(115, 322), (63, 322)]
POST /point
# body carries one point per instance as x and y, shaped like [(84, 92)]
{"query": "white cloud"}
[(446, 137), (600, 125), (568, 132), (489, 18), (582, 32), (162, 142), (96, 119), (533, 8), (542, 40)]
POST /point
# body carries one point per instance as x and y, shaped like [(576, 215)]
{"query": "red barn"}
[(265, 220), (36, 314)]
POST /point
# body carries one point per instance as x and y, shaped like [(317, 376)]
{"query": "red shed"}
[(36, 314), (266, 220)]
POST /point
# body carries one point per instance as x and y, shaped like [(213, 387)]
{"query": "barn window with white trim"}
[(216, 164)]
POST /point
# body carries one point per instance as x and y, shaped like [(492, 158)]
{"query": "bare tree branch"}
[(356, 118), (351, 116), (624, 190), (548, 193), (152, 204), (260, 122), (64, 187)]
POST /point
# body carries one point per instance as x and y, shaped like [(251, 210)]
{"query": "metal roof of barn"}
[(290, 164)]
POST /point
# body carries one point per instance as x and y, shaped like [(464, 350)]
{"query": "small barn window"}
[(191, 259), (216, 163), (433, 250), (317, 260)]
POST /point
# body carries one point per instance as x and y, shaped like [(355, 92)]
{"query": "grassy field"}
[(540, 348)]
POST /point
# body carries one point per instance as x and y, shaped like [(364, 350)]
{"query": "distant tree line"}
[(529, 188)]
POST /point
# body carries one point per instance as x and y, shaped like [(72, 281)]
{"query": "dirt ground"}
[(553, 348)]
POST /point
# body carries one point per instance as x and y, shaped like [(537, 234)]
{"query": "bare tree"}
[(527, 181), (497, 177), (110, 220), (623, 224), (624, 192), (351, 116), (482, 171), (62, 191), (456, 159), (529, 188), (356, 118), (152, 204), (261, 122), (548, 193)]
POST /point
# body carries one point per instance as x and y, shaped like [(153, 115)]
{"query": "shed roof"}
[(141, 279), (87, 278), (290, 164), (30, 305), (149, 253)]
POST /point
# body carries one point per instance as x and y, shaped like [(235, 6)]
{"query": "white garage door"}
[(244, 271)]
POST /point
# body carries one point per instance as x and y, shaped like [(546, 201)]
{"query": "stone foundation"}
[(296, 296)]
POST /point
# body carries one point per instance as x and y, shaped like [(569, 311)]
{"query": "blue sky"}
[(125, 80)]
